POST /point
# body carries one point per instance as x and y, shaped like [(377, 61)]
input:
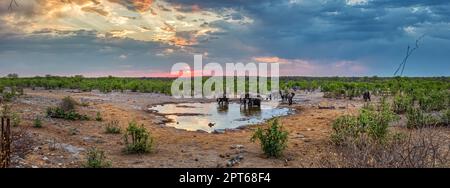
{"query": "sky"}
[(145, 38)]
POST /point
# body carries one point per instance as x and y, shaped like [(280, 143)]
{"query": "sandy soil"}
[(62, 143)]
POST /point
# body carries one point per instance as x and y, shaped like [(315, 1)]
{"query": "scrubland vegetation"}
[(107, 84), (400, 127)]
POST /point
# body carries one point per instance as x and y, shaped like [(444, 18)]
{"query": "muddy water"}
[(211, 116)]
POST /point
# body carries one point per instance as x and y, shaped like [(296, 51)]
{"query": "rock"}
[(234, 160), (299, 136), (238, 146), (37, 148), (309, 129), (45, 158), (33, 166), (71, 149), (218, 131)]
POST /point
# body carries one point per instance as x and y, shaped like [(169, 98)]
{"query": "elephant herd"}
[(256, 102)]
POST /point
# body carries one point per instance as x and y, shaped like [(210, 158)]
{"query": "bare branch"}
[(13, 2), (409, 51)]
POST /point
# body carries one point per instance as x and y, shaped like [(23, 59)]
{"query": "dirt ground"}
[(61, 143)]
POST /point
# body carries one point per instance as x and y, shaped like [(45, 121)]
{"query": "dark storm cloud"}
[(374, 34)]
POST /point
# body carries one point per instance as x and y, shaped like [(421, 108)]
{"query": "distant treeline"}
[(335, 86)]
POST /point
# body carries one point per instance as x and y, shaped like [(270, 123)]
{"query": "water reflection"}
[(222, 108), (226, 116), (250, 111)]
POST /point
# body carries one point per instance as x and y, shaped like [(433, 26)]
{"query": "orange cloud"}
[(180, 41), (271, 59), (116, 18), (138, 5)]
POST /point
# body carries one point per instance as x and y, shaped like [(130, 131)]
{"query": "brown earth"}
[(62, 143)]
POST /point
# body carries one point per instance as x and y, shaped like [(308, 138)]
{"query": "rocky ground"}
[(61, 143)]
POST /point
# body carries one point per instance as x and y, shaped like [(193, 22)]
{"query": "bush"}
[(420, 148), (8, 96), (418, 118), (37, 123), (98, 117), (273, 139), (66, 110), (377, 128), (68, 104), (402, 103), (67, 115), (434, 101), (113, 128), (372, 122), (96, 159), (141, 140), (345, 127), (445, 117)]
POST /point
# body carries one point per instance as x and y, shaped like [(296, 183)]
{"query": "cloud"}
[(142, 20), (308, 37), (300, 67), (271, 59), (303, 67), (356, 2), (123, 56)]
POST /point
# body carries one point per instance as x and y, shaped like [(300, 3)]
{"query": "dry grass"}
[(421, 148)]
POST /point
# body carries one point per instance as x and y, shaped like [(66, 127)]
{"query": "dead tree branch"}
[(12, 3), (409, 51)]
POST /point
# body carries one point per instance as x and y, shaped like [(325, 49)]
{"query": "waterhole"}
[(212, 117)]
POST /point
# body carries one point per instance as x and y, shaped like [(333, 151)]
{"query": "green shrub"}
[(445, 117), (68, 104), (15, 118), (113, 128), (96, 159), (273, 140), (402, 103), (57, 112), (98, 117), (37, 123), (8, 96), (434, 101), (345, 127), (371, 121), (417, 118), (137, 139)]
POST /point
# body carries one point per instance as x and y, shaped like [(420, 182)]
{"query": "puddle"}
[(200, 116)]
